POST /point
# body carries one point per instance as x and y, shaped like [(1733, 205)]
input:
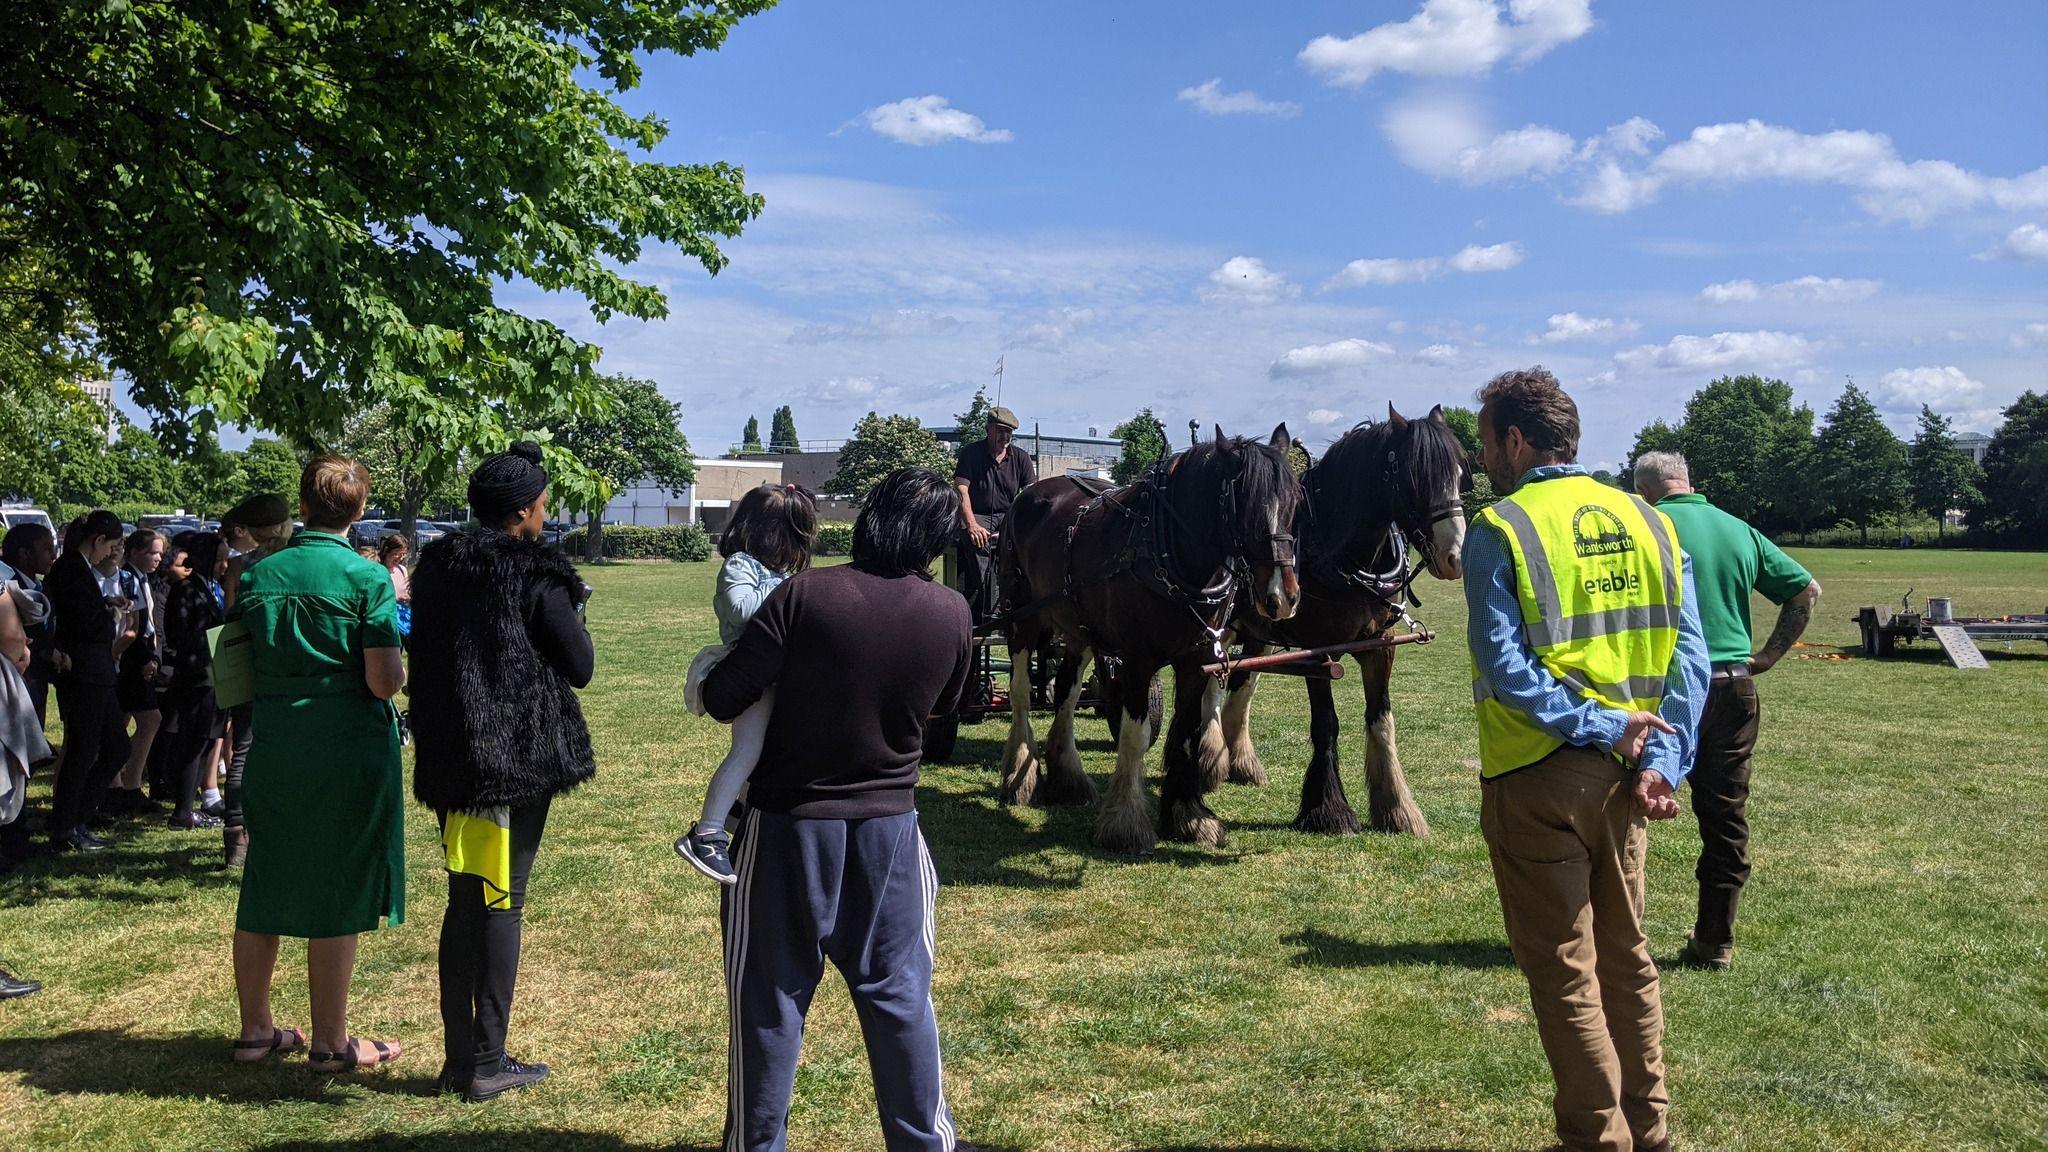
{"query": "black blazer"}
[(85, 625)]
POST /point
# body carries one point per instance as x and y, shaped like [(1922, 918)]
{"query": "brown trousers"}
[(1567, 851), (1720, 798)]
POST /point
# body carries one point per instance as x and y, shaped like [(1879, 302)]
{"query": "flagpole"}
[(999, 381)]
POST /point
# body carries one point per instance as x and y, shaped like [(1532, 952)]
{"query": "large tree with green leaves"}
[(2016, 474), (1656, 436), (639, 437), (782, 431), (1944, 478), (880, 445), (1736, 431), (1860, 461), (409, 474), (750, 437), (1464, 424), (279, 214), (1144, 441)]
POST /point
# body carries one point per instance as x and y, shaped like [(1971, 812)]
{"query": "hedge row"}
[(686, 542), (681, 542)]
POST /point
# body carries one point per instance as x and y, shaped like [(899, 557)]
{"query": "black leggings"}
[(239, 740), (95, 750), (186, 753), (480, 956)]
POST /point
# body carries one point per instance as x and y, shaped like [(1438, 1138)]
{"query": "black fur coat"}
[(493, 722)]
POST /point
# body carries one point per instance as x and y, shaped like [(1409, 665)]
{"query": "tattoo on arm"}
[(1792, 621)]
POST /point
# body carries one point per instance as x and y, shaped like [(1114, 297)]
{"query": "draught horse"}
[(1378, 489), (1148, 574)]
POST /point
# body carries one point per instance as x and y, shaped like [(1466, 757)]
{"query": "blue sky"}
[(1372, 202)]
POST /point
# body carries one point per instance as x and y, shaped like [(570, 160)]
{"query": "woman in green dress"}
[(323, 793)]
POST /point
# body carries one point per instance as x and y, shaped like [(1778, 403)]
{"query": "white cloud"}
[(1447, 135), (1471, 258), (903, 322), (1492, 258), (1739, 350), (1324, 417), (1055, 329), (2032, 336), (928, 120), (1324, 359), (1570, 327), (1246, 279), (2028, 243), (1450, 38), (1438, 355), (1210, 97), (1945, 389), (1804, 290)]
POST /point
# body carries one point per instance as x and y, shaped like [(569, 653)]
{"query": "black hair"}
[(775, 524), (139, 541), (20, 539), (95, 525), (202, 552), (906, 522)]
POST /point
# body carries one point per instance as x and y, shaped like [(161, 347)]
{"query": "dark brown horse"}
[(1378, 489), (1149, 575)]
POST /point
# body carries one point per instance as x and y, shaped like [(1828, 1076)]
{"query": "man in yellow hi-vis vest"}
[(1589, 671)]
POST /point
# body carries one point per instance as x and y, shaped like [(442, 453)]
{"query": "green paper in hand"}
[(234, 664)]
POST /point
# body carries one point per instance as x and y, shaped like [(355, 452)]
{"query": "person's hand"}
[(149, 670), (977, 534), (1761, 663), (1653, 796), (60, 663), (1636, 734), (20, 662)]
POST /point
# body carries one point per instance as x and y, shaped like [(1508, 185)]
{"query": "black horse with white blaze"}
[(1377, 490)]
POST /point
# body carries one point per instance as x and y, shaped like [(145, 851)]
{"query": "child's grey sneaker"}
[(709, 853)]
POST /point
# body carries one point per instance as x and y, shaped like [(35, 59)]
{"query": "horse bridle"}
[(1423, 536), (1278, 547)]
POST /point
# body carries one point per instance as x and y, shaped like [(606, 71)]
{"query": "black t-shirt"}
[(992, 484)]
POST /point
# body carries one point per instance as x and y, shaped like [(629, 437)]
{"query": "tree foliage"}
[(973, 423), (1861, 462), (640, 437), (750, 437), (282, 214), (1656, 436), (782, 431), (1464, 424), (2015, 504), (1144, 442), (1944, 478), (1737, 432), (880, 445), (410, 473)]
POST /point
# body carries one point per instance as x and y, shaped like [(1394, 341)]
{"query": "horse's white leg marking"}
[(1126, 822), (1020, 761), (1245, 766)]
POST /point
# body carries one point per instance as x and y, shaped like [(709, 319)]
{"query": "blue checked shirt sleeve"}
[(1507, 666), (1685, 694)]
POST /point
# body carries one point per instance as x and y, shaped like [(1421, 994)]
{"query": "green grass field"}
[(1289, 992)]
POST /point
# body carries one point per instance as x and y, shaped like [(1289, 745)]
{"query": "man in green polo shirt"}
[(1730, 559)]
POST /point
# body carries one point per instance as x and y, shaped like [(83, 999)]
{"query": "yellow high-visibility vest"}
[(1597, 573)]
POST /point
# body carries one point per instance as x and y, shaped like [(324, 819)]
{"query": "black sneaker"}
[(13, 988), (81, 839), (453, 1080), (217, 809), (709, 853), (195, 820), (512, 1076)]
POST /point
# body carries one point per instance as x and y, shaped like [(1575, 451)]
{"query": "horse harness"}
[(1147, 552)]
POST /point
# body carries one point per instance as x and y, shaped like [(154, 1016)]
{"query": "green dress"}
[(323, 792)]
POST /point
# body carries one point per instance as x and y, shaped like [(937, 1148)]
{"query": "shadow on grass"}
[(1322, 950), (121, 875), (1270, 1148), (115, 1062), (565, 1139), (975, 840)]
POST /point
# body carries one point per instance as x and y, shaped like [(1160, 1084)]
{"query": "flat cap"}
[(1003, 416)]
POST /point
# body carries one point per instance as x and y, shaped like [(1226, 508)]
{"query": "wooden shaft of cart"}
[(1315, 661)]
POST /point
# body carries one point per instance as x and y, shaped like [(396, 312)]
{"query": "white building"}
[(708, 501), (101, 392)]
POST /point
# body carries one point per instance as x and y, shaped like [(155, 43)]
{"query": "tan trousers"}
[(1567, 853)]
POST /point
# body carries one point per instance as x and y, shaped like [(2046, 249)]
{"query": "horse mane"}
[(1346, 495)]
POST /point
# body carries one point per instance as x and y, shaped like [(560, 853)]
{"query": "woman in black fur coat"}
[(498, 650)]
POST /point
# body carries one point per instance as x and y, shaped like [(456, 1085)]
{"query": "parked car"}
[(24, 514)]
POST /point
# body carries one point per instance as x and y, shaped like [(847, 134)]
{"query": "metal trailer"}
[(1883, 629)]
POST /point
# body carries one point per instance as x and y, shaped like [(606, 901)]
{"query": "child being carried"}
[(768, 540)]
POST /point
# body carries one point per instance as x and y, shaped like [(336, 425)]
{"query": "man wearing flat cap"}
[(989, 475)]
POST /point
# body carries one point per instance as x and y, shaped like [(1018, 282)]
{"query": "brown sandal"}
[(283, 1041), (346, 1060)]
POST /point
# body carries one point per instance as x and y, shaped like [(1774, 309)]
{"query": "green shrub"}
[(678, 542), (834, 539)]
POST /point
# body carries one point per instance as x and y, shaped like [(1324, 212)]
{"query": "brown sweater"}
[(858, 662)]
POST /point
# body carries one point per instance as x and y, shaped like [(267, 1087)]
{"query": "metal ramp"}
[(1962, 651)]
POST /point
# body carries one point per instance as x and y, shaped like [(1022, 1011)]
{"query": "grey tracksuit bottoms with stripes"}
[(861, 893)]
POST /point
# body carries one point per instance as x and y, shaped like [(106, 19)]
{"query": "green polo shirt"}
[(1729, 560)]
